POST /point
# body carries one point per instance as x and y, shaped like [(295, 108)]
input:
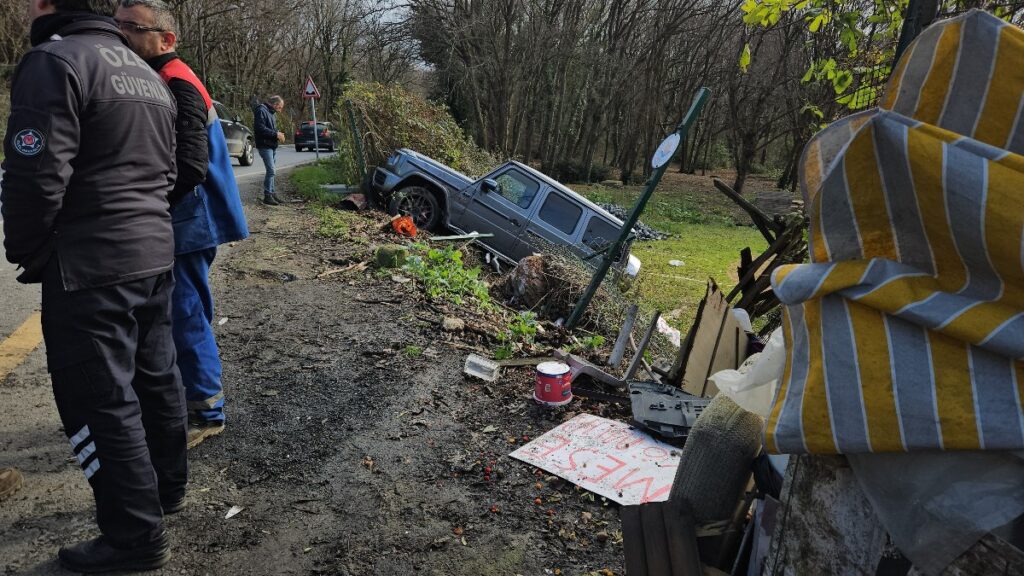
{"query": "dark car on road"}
[(304, 136), (238, 135), (524, 210)]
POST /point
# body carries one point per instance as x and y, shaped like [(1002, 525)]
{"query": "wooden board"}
[(716, 343)]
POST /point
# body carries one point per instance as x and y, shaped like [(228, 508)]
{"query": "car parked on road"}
[(238, 135), (525, 210), (304, 136)]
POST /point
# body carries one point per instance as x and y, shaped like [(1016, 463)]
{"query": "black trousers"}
[(119, 394)]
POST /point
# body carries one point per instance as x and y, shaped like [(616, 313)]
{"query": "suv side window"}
[(222, 112), (517, 188), (560, 213), (600, 233)]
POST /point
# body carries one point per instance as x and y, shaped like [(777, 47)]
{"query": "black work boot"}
[(98, 555), (277, 198), (270, 200)]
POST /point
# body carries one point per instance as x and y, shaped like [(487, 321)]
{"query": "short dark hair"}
[(101, 7)]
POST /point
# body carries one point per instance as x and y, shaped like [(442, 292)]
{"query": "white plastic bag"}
[(752, 386)]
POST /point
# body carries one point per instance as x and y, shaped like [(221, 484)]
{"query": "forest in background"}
[(580, 88)]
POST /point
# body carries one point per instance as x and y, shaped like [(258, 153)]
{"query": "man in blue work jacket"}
[(206, 211)]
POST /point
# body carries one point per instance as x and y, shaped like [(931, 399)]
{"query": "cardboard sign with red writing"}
[(608, 458)]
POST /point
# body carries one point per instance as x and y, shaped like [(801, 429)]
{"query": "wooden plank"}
[(656, 545), (624, 333), (682, 539), (633, 541)]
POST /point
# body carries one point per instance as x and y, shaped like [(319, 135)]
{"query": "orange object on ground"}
[(404, 226)]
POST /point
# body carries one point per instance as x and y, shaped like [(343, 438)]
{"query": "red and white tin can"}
[(554, 384)]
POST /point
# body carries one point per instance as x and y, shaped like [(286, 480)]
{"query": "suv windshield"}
[(517, 188)]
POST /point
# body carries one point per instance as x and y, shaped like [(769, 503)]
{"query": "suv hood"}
[(457, 180)]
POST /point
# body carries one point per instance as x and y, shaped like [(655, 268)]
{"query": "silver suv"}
[(525, 210)]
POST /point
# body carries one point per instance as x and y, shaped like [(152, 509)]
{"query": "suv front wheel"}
[(418, 202), (245, 158)]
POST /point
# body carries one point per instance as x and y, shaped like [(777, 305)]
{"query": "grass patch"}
[(413, 351), (707, 251), (705, 238), (332, 223), (670, 209), (307, 181)]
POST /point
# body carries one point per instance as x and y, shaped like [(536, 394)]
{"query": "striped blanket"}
[(906, 330)]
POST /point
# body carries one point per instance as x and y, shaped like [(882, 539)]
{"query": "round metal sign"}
[(665, 151)]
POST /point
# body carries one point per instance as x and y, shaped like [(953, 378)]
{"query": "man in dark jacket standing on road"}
[(89, 164), (267, 139), (205, 207)]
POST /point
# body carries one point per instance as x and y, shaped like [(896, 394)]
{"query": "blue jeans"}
[(192, 330), (268, 155)]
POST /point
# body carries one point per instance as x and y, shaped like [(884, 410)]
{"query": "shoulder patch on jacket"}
[(29, 142)]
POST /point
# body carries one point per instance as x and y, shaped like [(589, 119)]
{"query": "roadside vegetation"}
[(707, 231)]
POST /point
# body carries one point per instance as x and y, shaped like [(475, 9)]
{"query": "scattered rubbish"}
[(357, 201), (665, 410), (489, 429), (638, 356), (526, 361), (401, 279), (222, 321), (472, 236), (641, 230), (233, 512), (606, 457), (355, 266), (619, 351), (404, 226), (339, 189), (717, 460), (715, 342), (743, 319), (660, 539), (450, 324), (599, 395), (390, 256), (269, 392), (676, 263), (579, 366), (482, 368), (554, 384), (753, 384), (674, 335)]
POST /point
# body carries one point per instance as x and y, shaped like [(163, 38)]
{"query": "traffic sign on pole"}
[(310, 92)]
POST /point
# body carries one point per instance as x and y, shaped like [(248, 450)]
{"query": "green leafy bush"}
[(393, 118), (445, 277), (573, 171)]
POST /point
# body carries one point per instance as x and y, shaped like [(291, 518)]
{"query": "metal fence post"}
[(612, 254)]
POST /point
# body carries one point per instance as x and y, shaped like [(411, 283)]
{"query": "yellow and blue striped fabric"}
[(906, 330)]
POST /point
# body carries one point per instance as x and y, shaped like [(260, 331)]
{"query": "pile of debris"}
[(642, 231)]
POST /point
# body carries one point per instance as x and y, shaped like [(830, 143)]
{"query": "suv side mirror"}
[(489, 185)]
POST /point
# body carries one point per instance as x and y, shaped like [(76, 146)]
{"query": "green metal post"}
[(358, 139), (638, 208)]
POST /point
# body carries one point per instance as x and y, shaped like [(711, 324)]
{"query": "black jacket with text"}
[(89, 157)]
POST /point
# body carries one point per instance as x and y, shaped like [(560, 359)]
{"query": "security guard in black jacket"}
[(89, 165)]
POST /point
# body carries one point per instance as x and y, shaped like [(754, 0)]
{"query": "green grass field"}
[(705, 238)]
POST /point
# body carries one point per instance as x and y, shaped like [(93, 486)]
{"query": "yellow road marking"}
[(20, 344)]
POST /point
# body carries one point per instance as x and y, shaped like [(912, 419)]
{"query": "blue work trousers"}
[(198, 357)]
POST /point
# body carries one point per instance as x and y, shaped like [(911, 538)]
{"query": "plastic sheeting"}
[(752, 386), (934, 505)]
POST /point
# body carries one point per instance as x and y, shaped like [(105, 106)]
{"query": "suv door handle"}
[(513, 221)]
